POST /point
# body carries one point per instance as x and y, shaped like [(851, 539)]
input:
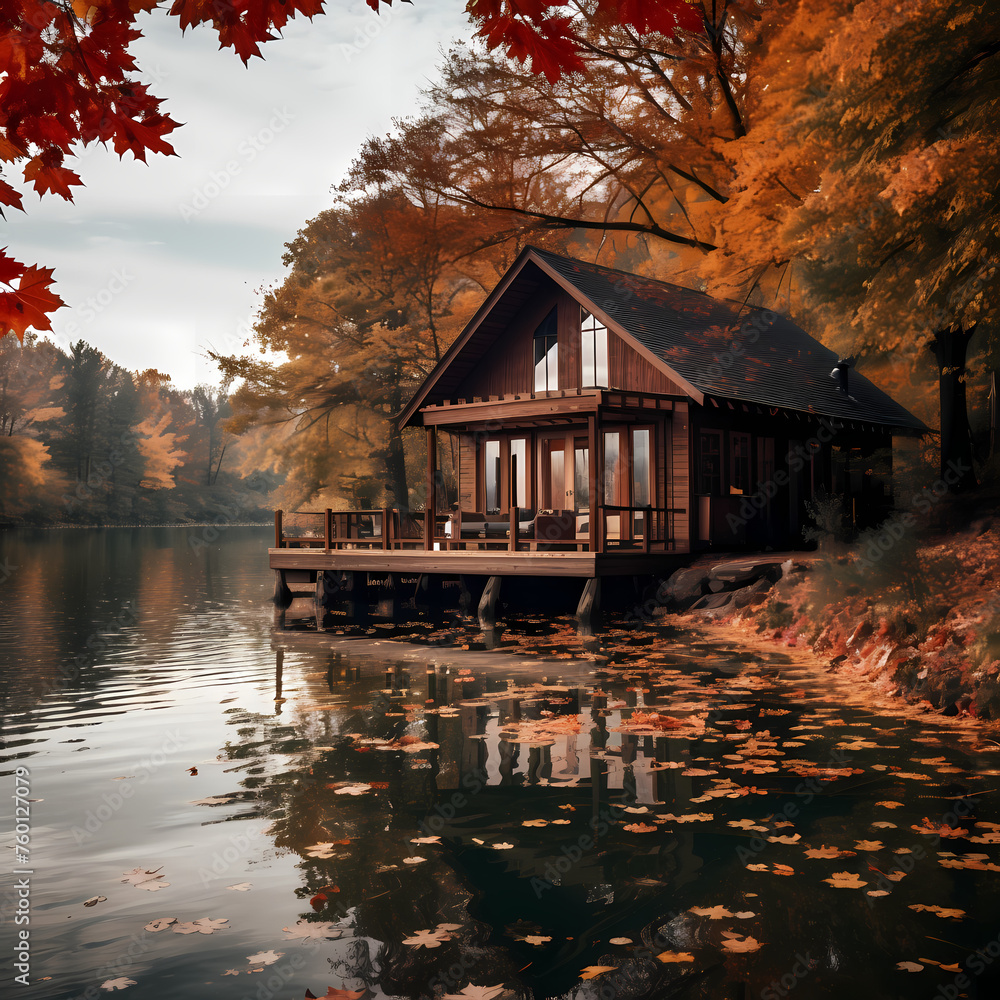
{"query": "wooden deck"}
[(479, 562)]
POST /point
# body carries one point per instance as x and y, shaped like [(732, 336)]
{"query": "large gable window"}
[(546, 354), (593, 353)]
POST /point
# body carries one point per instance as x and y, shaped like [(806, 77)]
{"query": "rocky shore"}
[(915, 615)]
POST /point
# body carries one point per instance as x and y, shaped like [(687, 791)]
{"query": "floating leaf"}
[(845, 880), (241, 886), (870, 845), (121, 983), (712, 912), (427, 840), (428, 939), (203, 925), (738, 943), (675, 956), (160, 924), (639, 828), (265, 957), (909, 967), (828, 852), (415, 860), (475, 993), (593, 971), (537, 939), (620, 941), (941, 911), (332, 993), (314, 929)]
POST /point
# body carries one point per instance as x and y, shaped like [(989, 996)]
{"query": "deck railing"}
[(645, 529)]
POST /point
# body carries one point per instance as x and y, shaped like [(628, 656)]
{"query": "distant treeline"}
[(83, 441)]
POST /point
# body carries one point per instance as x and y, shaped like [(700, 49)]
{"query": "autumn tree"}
[(378, 287), (870, 171)]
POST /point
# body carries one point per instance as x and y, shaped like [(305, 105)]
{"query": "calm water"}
[(253, 807)]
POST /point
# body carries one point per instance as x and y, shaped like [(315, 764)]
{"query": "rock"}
[(686, 585), (714, 602)]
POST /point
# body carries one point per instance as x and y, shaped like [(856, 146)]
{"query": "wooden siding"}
[(467, 472), (509, 364), (628, 370)]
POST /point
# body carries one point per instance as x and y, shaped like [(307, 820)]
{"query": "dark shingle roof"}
[(694, 335)]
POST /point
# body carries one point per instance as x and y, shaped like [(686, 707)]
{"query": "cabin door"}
[(564, 474)]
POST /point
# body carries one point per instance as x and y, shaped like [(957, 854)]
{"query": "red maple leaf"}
[(30, 303), (50, 177)]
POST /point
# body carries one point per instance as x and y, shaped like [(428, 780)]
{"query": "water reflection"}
[(501, 808)]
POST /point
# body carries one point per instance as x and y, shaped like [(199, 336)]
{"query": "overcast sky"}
[(157, 262)]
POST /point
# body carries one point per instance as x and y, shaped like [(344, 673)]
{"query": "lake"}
[(212, 799)]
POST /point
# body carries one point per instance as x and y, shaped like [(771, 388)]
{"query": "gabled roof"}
[(686, 334)]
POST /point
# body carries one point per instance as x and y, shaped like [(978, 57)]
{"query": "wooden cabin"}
[(611, 424)]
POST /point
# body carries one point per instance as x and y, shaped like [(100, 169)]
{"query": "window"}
[(492, 479), (640, 467), (593, 352), (546, 354), (739, 463), (710, 463), (519, 470), (612, 480)]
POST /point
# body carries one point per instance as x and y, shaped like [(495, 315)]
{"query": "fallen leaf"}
[(503, 846), (712, 912), (785, 839), (593, 971), (827, 852), (536, 939), (353, 788), (738, 943), (203, 925), (428, 939), (240, 886), (265, 957), (869, 845), (160, 924), (426, 840), (620, 941), (121, 983), (475, 993), (675, 956), (535, 822), (877, 892), (314, 930), (909, 967), (941, 911), (845, 880), (639, 828)]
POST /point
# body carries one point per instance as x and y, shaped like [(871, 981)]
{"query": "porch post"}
[(592, 479), (429, 505)]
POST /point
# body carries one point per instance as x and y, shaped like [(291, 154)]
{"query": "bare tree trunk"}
[(950, 347)]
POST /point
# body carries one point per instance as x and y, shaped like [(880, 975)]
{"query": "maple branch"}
[(564, 222)]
